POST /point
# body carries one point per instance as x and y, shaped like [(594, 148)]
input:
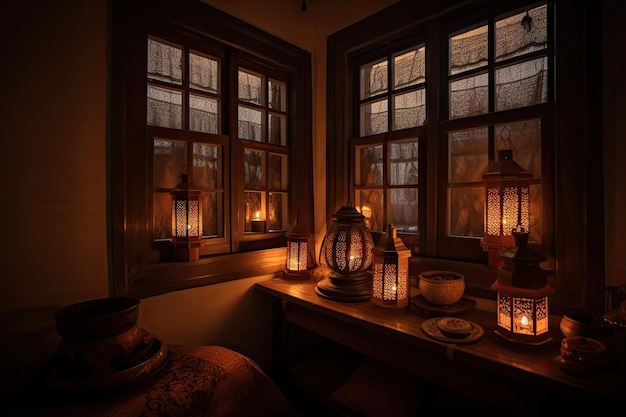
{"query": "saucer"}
[(429, 326)]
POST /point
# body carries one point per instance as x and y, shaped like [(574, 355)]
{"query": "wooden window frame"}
[(577, 217), (133, 270)]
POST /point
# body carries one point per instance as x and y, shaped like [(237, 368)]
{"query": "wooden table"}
[(491, 369)]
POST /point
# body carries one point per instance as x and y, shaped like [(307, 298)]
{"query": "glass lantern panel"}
[(297, 256), (409, 109), (409, 68), (515, 37), (203, 73), (522, 84), (250, 87), (374, 79), (204, 114), (469, 96), (374, 118), (505, 310), (164, 107), (469, 50), (165, 62), (249, 123), (278, 179), (524, 316)]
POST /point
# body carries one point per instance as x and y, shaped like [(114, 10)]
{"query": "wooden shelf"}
[(491, 370)]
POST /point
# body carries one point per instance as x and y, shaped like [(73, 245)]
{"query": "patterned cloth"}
[(198, 381)]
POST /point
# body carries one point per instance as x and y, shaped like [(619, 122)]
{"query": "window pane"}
[(162, 213), (468, 50), (469, 96), (373, 79), (465, 207), (278, 172), (203, 73), (276, 95), (277, 126), (206, 166), (403, 209), (468, 160), (403, 163), (409, 68), (278, 219), (169, 161), (374, 118), (250, 124), (522, 33), (468, 155), (525, 139), (371, 206), (203, 114), (369, 165), (250, 87), (165, 62), (409, 109), (164, 107), (212, 214), (253, 166), (522, 84)]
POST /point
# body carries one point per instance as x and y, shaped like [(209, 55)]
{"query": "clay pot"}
[(441, 287)]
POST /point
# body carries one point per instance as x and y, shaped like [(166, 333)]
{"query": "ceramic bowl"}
[(441, 287), (586, 351), (582, 324), (96, 319)]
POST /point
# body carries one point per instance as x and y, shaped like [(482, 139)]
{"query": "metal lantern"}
[(523, 290), (507, 204), (297, 252), (186, 221), (347, 252), (390, 271)]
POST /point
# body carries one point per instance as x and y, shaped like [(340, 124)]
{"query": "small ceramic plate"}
[(454, 327), (429, 326)]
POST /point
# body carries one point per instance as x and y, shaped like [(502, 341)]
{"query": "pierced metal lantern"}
[(347, 252), (507, 204), (297, 252), (186, 221), (523, 290), (390, 271)]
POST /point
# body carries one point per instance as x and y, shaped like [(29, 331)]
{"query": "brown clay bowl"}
[(97, 318), (441, 287)]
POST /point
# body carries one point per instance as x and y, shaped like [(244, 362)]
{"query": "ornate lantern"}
[(347, 252), (186, 221), (523, 290), (507, 204), (297, 252), (390, 271)]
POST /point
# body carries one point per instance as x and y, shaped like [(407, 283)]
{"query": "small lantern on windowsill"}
[(347, 252), (507, 204), (297, 252), (390, 271), (523, 290), (186, 221)]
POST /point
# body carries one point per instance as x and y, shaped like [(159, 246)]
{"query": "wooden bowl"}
[(441, 287)]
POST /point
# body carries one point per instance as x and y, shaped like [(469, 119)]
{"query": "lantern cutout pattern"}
[(390, 271), (347, 252), (297, 252), (523, 290), (186, 221), (507, 205)]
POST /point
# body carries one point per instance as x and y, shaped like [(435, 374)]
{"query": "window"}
[(489, 82), (228, 111)]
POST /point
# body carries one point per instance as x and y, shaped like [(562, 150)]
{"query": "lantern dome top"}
[(505, 166), (348, 213)]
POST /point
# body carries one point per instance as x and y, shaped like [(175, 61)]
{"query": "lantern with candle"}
[(347, 252), (257, 224), (523, 290), (507, 204), (186, 221), (390, 271), (297, 252)]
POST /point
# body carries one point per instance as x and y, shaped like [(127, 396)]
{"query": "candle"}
[(257, 225)]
